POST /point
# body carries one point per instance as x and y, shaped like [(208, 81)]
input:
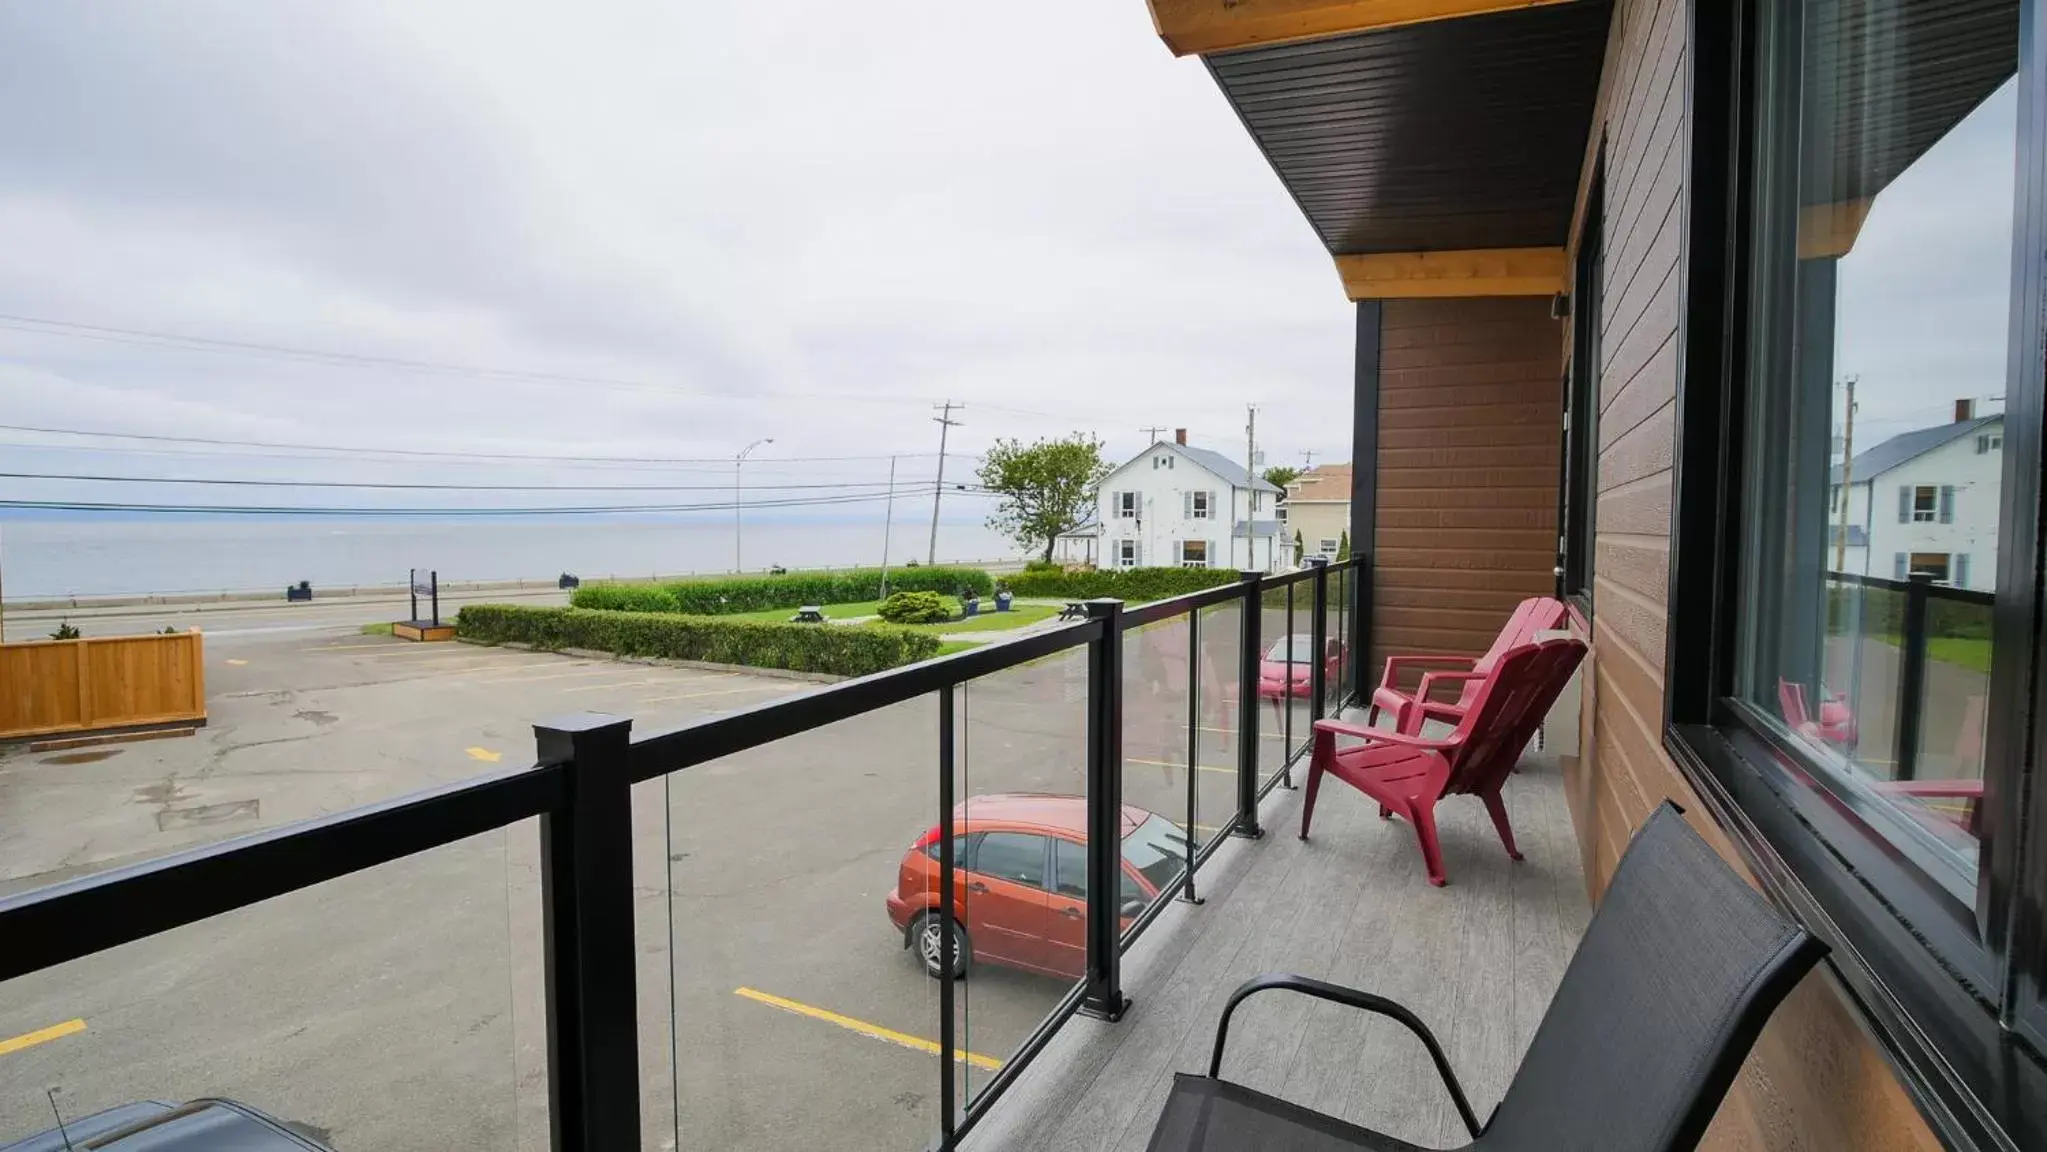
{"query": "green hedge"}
[(1882, 613), (1136, 585), (915, 608), (753, 593), (837, 649)]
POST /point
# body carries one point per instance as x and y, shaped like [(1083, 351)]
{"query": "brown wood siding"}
[(1470, 432), (1814, 1080)]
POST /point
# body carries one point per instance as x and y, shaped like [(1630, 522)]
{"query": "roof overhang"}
[(1434, 145)]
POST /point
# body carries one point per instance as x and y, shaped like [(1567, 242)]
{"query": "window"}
[(1126, 505), (1578, 491), (1126, 553), (962, 857), (1017, 857), (1852, 224), (1164, 461), (1988, 443), (1200, 505), (1158, 850), (1193, 553), (1327, 546), (1069, 868)]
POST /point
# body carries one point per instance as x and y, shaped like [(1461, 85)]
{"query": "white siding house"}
[(1924, 501), (1176, 506)]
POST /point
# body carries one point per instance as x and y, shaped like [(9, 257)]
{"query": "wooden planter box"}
[(101, 683)]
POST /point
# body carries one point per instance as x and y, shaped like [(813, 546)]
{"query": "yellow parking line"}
[(575, 672), (1177, 764), (42, 1035), (717, 692), (874, 1031), (670, 680)]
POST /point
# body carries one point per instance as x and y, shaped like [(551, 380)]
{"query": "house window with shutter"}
[(1126, 554), (1126, 505), (1193, 553), (1200, 505), (1921, 504)]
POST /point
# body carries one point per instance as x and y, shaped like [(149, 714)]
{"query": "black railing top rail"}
[(701, 741), (49, 926), (1933, 589)]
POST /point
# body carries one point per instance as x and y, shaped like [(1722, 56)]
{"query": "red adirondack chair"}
[(1408, 774), (1836, 721), (1536, 614)]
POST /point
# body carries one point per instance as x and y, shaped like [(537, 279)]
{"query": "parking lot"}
[(401, 1008)]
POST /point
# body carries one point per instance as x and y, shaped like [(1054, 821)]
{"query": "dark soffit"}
[(1452, 134)]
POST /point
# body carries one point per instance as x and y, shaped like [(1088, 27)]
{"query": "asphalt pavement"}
[(402, 1008)]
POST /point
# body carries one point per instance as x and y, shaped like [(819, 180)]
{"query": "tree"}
[(1047, 488), (1279, 476), (1343, 546)]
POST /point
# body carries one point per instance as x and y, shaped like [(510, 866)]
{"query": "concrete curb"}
[(662, 662)]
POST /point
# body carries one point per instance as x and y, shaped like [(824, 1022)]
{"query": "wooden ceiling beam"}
[(1478, 272), (1192, 27)]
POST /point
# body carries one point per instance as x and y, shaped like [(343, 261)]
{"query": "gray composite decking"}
[(1477, 961)]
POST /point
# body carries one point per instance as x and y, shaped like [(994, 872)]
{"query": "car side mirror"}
[(1132, 909)]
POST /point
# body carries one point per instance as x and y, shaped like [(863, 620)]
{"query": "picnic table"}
[(808, 614)]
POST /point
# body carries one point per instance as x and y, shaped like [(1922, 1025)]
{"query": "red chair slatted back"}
[(1535, 614), (1511, 705)]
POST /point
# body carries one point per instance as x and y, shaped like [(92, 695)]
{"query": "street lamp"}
[(737, 525)]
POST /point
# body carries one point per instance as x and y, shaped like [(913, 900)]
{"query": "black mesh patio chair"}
[(1678, 970)]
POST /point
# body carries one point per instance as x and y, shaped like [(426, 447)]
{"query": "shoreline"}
[(257, 598)]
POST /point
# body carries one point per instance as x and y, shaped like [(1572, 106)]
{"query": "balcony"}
[(714, 935)]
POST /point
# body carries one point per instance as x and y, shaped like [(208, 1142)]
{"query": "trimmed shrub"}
[(625, 598), (1133, 584), (839, 650), (915, 608)]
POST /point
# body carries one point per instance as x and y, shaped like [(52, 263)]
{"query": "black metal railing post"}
[(948, 955), (1360, 627), (1193, 751), (1911, 674), (1247, 709), (586, 886), (1318, 630), (1103, 998)]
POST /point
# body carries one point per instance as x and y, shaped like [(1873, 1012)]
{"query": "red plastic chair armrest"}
[(1431, 679), (1380, 735)]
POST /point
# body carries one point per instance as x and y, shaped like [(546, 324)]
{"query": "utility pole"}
[(1152, 432), (1847, 479), (945, 424), (1250, 481), (888, 521), (1307, 460)]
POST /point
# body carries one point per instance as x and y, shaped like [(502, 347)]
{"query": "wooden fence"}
[(55, 686)]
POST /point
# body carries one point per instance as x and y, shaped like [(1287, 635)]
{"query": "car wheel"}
[(926, 935)]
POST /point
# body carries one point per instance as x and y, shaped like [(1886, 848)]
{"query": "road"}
[(402, 1008), (247, 618)]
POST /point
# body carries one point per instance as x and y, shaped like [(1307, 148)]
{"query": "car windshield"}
[(1157, 849), (1293, 650)]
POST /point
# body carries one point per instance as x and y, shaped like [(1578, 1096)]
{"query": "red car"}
[(1288, 667), (1020, 882)]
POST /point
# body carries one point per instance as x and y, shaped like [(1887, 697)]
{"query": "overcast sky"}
[(793, 219)]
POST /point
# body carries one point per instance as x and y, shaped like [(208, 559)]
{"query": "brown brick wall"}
[(1470, 431), (1814, 1080)]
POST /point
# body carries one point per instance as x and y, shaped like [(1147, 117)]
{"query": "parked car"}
[(205, 1125), (1288, 667), (1020, 882)]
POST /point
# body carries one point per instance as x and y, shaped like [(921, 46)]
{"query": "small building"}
[(1924, 501), (1317, 509), (1173, 505)]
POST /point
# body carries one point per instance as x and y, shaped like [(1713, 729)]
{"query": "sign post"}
[(424, 582)]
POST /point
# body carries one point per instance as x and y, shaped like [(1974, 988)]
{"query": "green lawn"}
[(376, 629), (988, 620), (951, 646), (1971, 654)]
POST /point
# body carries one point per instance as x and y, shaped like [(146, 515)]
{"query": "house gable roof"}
[(1907, 446), (1225, 469)]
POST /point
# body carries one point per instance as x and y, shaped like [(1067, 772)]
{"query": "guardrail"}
[(1175, 653), (1917, 611)]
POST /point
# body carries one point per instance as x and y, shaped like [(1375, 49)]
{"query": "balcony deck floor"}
[(1478, 961)]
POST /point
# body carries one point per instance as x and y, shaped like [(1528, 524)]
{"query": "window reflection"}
[(1880, 304)]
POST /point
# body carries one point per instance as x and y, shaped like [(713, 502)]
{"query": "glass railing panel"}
[(800, 875), (398, 1008), (1218, 657), (1020, 775)]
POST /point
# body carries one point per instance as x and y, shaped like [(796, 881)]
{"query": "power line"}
[(425, 453), (255, 483), (316, 511)]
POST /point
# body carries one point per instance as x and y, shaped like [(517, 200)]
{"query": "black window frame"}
[(1955, 996), (1579, 493)]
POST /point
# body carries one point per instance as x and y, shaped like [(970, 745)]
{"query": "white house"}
[(1172, 505), (1923, 501)]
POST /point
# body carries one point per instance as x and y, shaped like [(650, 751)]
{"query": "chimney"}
[(1965, 409), (1180, 437)]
